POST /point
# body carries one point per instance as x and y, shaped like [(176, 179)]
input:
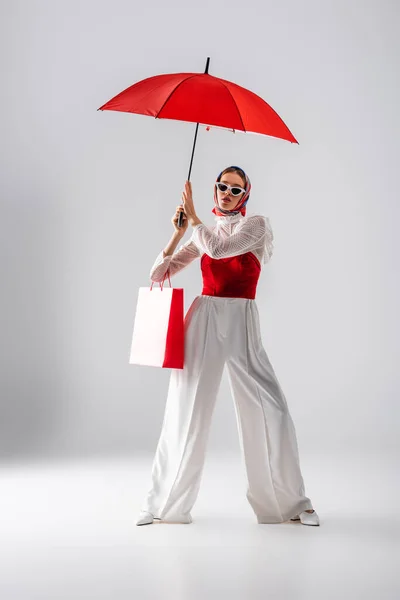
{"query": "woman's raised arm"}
[(254, 233), (174, 262)]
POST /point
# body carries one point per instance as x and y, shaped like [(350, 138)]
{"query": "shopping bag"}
[(158, 331)]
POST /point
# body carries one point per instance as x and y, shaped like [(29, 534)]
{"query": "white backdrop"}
[(87, 198)]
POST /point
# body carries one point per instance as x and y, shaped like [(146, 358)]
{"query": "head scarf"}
[(241, 207)]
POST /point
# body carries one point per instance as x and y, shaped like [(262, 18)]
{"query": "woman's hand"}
[(185, 223), (188, 205)]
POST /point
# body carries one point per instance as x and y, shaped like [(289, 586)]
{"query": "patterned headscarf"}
[(241, 207)]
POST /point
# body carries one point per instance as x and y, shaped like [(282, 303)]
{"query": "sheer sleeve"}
[(254, 234), (269, 242), (186, 254)]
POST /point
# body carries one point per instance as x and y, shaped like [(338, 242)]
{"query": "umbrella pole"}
[(194, 145), (197, 126), (190, 170)]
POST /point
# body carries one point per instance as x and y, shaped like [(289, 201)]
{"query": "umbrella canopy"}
[(201, 98)]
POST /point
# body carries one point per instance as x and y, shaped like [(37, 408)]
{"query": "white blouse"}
[(230, 236)]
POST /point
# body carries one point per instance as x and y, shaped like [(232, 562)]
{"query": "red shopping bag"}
[(158, 331)]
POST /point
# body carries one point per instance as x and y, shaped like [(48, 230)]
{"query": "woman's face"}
[(225, 199)]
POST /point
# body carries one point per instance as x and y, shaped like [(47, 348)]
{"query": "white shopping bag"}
[(158, 331)]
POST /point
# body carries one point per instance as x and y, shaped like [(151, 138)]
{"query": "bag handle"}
[(162, 282)]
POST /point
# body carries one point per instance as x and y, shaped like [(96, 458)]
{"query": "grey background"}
[(87, 199)]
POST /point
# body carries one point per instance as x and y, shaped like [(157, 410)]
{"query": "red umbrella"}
[(201, 98)]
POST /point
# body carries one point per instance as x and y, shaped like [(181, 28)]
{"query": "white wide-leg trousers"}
[(221, 331)]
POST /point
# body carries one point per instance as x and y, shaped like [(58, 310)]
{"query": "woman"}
[(222, 327)]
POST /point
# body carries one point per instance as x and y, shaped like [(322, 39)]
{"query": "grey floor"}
[(68, 532)]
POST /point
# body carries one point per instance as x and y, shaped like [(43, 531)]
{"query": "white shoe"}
[(307, 518), (146, 518)]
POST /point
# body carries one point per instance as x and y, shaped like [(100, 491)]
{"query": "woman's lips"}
[(225, 201)]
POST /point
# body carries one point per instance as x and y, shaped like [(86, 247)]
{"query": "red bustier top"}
[(233, 277)]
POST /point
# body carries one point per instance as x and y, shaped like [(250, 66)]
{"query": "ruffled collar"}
[(229, 218)]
